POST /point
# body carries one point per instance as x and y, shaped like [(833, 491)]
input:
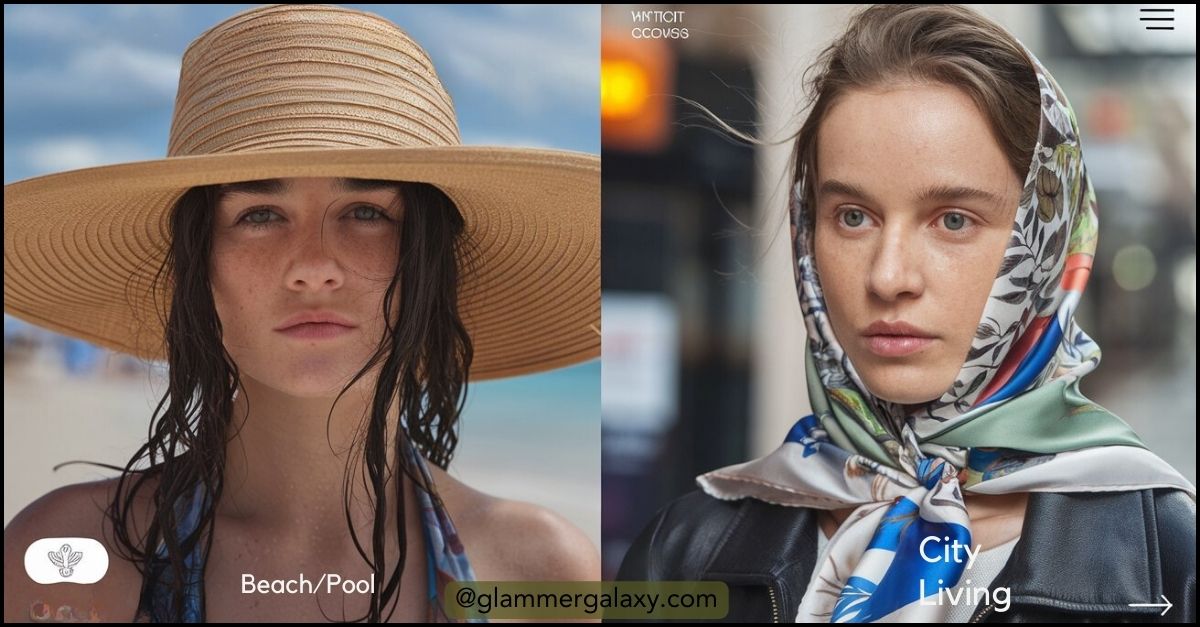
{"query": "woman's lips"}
[(896, 345), (316, 330)]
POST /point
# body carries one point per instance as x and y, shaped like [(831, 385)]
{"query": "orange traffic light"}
[(636, 82)]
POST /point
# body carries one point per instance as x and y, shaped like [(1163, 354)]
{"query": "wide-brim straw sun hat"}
[(315, 91)]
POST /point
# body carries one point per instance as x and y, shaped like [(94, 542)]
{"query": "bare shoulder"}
[(70, 511), (508, 540)]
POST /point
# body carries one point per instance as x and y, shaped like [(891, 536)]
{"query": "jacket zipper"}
[(774, 605), (979, 616)]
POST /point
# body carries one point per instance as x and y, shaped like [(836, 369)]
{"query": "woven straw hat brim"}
[(81, 248)]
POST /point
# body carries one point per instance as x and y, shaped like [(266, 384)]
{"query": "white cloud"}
[(115, 61), (31, 20), (156, 12), (103, 73), (559, 62), (500, 140), (71, 152), (70, 24), (90, 58)]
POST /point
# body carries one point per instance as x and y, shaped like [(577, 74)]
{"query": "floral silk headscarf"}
[(1012, 421)]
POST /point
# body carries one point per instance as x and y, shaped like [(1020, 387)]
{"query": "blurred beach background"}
[(95, 85)]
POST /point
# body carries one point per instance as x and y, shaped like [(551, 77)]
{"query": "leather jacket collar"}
[(1080, 556)]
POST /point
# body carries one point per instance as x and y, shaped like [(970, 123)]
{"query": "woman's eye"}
[(367, 213), (853, 217), (257, 219), (954, 221)]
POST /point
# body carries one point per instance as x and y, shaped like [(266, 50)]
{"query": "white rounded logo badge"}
[(75, 560)]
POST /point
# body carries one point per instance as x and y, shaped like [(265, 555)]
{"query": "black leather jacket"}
[(1081, 557)]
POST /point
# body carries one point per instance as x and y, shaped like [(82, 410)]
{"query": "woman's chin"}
[(311, 387), (911, 388)]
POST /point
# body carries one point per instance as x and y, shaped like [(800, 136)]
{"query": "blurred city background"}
[(94, 85), (703, 335)]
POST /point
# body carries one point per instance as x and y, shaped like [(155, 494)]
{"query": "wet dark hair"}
[(423, 360)]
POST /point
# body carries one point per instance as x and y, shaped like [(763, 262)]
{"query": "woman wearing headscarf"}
[(943, 230)]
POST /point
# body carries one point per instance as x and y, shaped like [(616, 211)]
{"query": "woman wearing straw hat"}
[(323, 266), (943, 227)]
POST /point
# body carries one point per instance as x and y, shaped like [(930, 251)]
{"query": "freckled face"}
[(915, 203), (307, 245)]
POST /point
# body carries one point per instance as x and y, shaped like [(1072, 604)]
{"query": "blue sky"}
[(94, 85)]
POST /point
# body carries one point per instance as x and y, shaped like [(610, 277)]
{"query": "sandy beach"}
[(545, 451)]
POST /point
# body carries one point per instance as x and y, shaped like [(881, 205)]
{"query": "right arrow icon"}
[(1166, 605)]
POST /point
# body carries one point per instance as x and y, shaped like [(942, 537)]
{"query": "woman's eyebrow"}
[(939, 192), (948, 193), (266, 187)]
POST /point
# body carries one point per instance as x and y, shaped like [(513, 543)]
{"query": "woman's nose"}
[(313, 266), (897, 268)]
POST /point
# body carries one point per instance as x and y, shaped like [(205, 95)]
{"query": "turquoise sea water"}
[(565, 394)]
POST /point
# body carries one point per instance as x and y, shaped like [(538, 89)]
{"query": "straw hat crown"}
[(288, 77)]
